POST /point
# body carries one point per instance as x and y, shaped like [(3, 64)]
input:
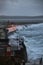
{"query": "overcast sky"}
[(21, 7)]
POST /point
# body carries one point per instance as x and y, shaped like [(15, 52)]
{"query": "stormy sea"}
[(33, 40)]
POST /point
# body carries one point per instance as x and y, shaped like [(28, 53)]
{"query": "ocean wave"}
[(33, 39)]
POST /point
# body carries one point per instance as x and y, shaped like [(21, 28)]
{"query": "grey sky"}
[(21, 7)]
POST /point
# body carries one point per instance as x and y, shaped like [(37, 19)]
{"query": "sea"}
[(33, 39)]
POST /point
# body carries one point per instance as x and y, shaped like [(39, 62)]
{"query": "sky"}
[(21, 7)]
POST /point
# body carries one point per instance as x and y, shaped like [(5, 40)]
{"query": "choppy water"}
[(33, 36)]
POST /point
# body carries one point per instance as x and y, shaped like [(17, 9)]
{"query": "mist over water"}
[(21, 7)]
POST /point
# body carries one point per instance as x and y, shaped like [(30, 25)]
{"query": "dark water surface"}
[(21, 7)]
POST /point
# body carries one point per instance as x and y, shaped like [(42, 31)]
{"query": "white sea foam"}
[(33, 39)]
